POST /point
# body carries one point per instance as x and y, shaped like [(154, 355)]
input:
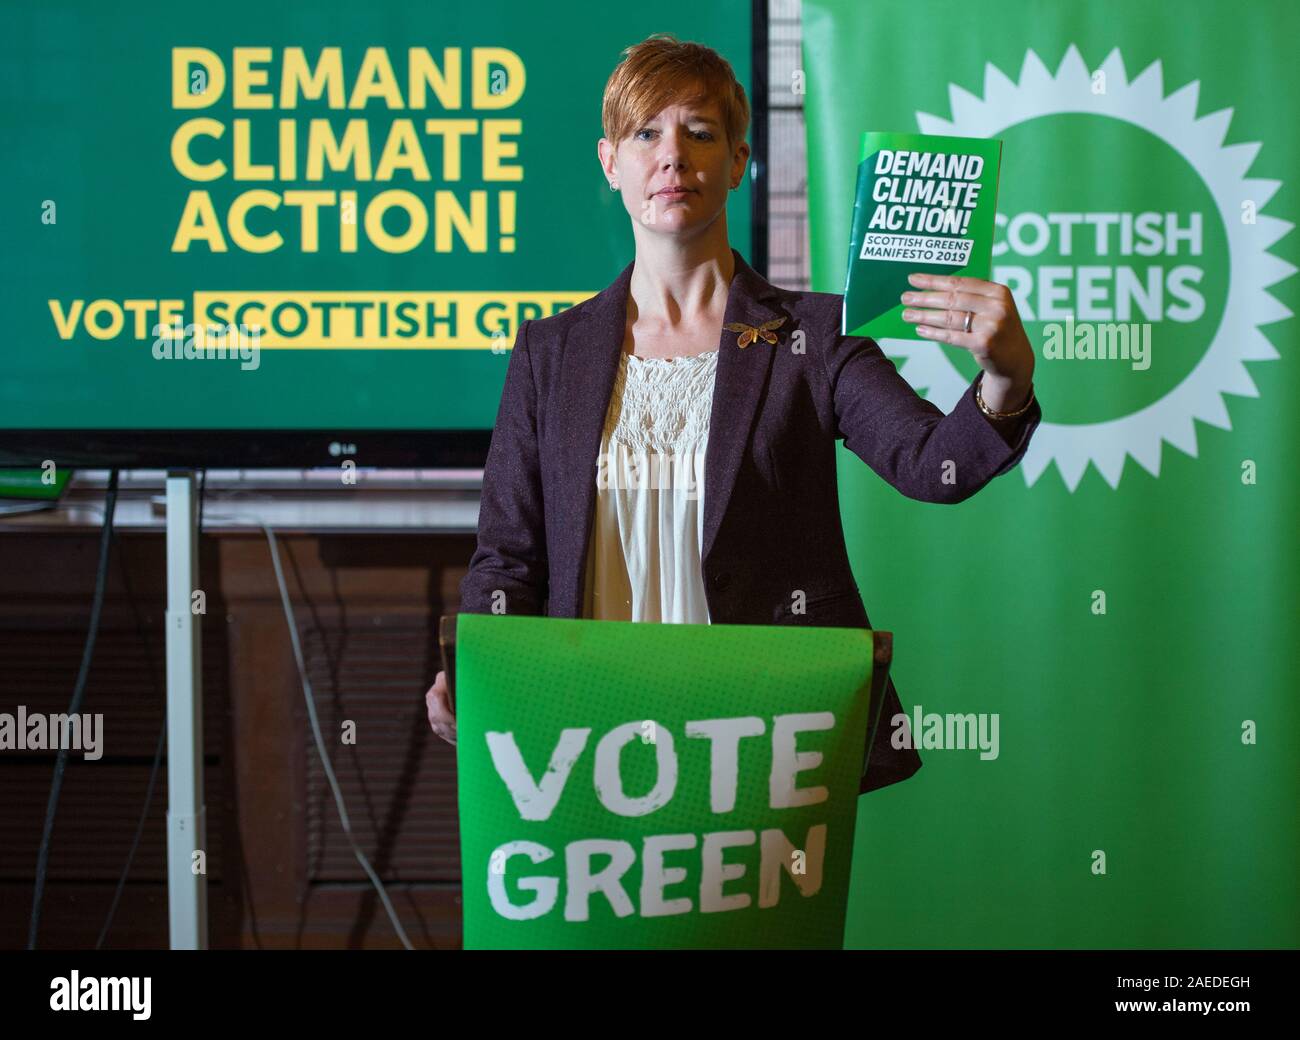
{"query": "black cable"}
[(139, 829), (157, 755), (78, 695)]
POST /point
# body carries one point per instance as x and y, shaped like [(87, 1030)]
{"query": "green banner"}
[(1123, 605), (658, 786)]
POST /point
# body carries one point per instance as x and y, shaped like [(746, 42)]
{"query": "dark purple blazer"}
[(771, 502)]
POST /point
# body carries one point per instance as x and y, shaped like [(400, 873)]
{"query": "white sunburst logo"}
[(1252, 268)]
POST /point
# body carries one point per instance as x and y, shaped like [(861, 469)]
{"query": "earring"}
[(613, 186)]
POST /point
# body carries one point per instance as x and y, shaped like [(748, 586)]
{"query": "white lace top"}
[(643, 559)]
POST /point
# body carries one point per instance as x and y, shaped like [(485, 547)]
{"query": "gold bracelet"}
[(1002, 415)]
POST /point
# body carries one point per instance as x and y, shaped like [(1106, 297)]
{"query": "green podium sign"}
[(628, 785)]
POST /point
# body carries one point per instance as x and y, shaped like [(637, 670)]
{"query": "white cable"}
[(320, 741), (310, 698)]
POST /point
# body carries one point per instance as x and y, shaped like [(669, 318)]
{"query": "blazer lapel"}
[(742, 374), (587, 381)]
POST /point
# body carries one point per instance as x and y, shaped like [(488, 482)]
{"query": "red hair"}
[(662, 70)]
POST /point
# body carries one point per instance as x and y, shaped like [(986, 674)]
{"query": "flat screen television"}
[(373, 196)]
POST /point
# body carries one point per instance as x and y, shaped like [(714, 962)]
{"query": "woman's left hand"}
[(996, 338)]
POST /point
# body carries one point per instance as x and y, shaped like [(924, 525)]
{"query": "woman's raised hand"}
[(938, 307)]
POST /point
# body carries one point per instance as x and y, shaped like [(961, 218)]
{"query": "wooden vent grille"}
[(102, 799), (398, 779)]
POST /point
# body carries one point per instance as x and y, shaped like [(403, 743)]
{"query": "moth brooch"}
[(748, 333)]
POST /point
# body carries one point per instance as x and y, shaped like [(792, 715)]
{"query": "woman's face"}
[(683, 146)]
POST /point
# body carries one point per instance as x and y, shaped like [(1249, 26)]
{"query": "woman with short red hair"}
[(665, 451)]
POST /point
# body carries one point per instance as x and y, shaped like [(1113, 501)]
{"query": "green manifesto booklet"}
[(924, 203)]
